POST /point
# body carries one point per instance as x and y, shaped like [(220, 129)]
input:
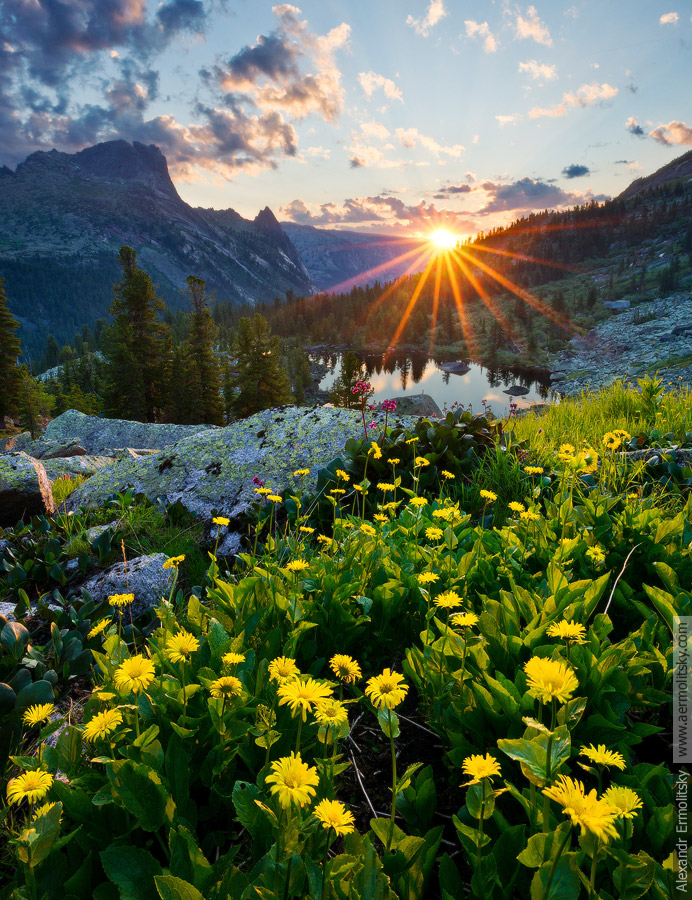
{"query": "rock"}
[(145, 578), (416, 405), (98, 435), (682, 329), (16, 442), (75, 465), (516, 390), (211, 472), (616, 304), (7, 611), (64, 451), (25, 489), (93, 533), (454, 368)]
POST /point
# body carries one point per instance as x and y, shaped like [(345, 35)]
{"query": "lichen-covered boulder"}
[(145, 578), (25, 489), (211, 472), (98, 436), (75, 465)]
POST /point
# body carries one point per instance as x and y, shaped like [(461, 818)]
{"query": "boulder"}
[(25, 489), (616, 304), (516, 390), (685, 328), (455, 368), (145, 578), (416, 405), (63, 451), (211, 472), (75, 465), (98, 435)]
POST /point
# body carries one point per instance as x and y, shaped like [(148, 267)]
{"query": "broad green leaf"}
[(565, 884), (38, 692), (172, 888), (634, 875), (139, 790), (36, 841), (132, 870)]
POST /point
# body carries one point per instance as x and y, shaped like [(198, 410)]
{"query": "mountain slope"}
[(681, 167), (63, 218)]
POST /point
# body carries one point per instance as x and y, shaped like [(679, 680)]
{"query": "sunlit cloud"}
[(482, 31), (538, 71), (586, 95), (371, 81), (411, 137), (671, 18), (673, 133), (511, 119), (531, 27), (634, 127), (423, 26)]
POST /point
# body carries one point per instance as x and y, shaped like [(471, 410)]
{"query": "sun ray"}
[(425, 254), (525, 258), (487, 299), (466, 326), (376, 270), (409, 309), (436, 303)]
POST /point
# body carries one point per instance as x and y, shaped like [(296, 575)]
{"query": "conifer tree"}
[(202, 362), (260, 379), (138, 346), (10, 349), (34, 402)]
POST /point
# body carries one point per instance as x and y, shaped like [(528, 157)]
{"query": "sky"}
[(392, 116)]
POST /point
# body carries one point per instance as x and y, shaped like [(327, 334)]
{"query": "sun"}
[(443, 239)]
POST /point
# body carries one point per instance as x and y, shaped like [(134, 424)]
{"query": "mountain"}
[(343, 258), (63, 217), (679, 168)]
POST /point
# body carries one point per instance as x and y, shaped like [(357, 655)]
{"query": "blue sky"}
[(385, 115)]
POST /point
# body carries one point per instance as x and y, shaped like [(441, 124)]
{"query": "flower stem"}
[(592, 879), (553, 868), (391, 746), (324, 864), (300, 728)]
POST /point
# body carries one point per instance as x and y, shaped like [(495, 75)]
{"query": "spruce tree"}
[(34, 402), (260, 379), (10, 349), (203, 364), (138, 346)]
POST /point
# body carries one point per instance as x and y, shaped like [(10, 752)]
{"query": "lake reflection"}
[(420, 374)]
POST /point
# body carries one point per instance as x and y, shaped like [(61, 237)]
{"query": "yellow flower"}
[(292, 780), (533, 470), (516, 507), (427, 578), (611, 441), (549, 679), (32, 786), (368, 529), (274, 498), (323, 539), (625, 801), (622, 434), (529, 516), (175, 561), (358, 487), (330, 713), (586, 810), (386, 691), (446, 474), (411, 440), (480, 767), (301, 694), (333, 814), (300, 473), (98, 628), (343, 476), (263, 490), (232, 659), (394, 462), (306, 529), (39, 712), (42, 810), (566, 448), (391, 505), (226, 686), (596, 554), (588, 460), (568, 631), (345, 668), (337, 491), (385, 486), (375, 450), (418, 502), (381, 518), (282, 668), (490, 496), (101, 725), (297, 565), (447, 600), (464, 620), (603, 757), (421, 461), (134, 674), (180, 646), (120, 600), (220, 520), (433, 534)]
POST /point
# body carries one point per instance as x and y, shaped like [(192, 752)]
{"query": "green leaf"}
[(38, 692), (36, 841), (634, 875), (532, 754), (8, 698), (172, 888), (565, 883), (480, 795), (131, 869), (541, 848), (139, 790), (14, 637), (69, 749), (389, 722)]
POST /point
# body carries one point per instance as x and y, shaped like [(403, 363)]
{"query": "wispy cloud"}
[(671, 18), (411, 137), (531, 27), (634, 127), (673, 133), (482, 31), (511, 119), (371, 81), (538, 71), (586, 95), (423, 26)]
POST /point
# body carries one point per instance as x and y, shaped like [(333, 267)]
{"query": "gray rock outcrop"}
[(25, 489), (455, 368), (145, 577), (417, 405)]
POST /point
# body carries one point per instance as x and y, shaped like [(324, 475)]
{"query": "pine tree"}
[(10, 349), (260, 379), (138, 346), (202, 362), (34, 402), (341, 393)]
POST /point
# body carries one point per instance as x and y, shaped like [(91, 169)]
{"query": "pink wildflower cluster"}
[(361, 387)]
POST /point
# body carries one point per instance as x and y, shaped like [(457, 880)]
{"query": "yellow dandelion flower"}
[(98, 628), (611, 441), (292, 781), (447, 600), (282, 669), (263, 490), (101, 725), (221, 520), (385, 486), (622, 434), (42, 810), (596, 555), (480, 767), (275, 498), (516, 507), (375, 450), (297, 565), (529, 516), (31, 786), (134, 675), (586, 810), (330, 713), (464, 620), (180, 646), (433, 534), (121, 600), (301, 694), (368, 529), (427, 578), (338, 491), (391, 505), (567, 631), (603, 757), (533, 470), (566, 448), (301, 473), (325, 540), (550, 679), (380, 518), (232, 659), (411, 440), (226, 686), (358, 487), (39, 712), (394, 461), (447, 475), (490, 496), (421, 461), (624, 800), (386, 691), (418, 502), (333, 814), (306, 529), (342, 476), (175, 561), (345, 668)]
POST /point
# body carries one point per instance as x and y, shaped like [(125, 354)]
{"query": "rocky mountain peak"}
[(680, 167), (267, 221), (126, 162)]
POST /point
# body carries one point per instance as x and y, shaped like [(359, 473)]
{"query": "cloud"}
[(481, 30), (452, 189), (634, 127), (371, 81), (410, 137), (576, 171), (511, 119), (673, 133), (528, 193), (587, 95), (631, 164), (435, 11), (538, 71), (532, 27), (671, 18)]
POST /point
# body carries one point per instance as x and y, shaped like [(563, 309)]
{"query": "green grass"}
[(64, 486)]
